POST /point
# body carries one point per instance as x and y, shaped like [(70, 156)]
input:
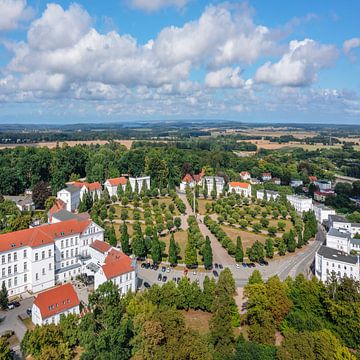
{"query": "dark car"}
[(215, 273), (252, 265), (156, 267), (16, 303), (159, 277), (263, 262), (220, 266), (244, 264), (163, 268), (174, 279), (29, 311), (216, 266), (177, 280), (142, 265), (147, 265), (151, 266), (147, 285), (164, 279)]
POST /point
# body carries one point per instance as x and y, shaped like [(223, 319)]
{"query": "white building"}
[(112, 185), (110, 264), (35, 259), (245, 175), (328, 260), (270, 194), (139, 181), (338, 240), (296, 183), (323, 185), (322, 212), (217, 180), (94, 189), (22, 202), (241, 188), (300, 203), (50, 305), (266, 176), (340, 223), (187, 180), (70, 196)]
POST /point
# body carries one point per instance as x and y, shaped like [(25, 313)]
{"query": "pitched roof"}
[(71, 188), (42, 235), (56, 300), (58, 205), (266, 174), (117, 181), (243, 173), (100, 246), (187, 178), (332, 254), (339, 234), (312, 178), (239, 184), (116, 263), (64, 215)]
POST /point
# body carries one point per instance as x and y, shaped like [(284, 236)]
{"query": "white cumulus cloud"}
[(227, 77), (349, 45), (154, 5), (12, 12), (299, 65)]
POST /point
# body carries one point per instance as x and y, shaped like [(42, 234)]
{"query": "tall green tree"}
[(124, 238), (173, 253), (3, 296), (207, 253), (269, 248), (239, 252)]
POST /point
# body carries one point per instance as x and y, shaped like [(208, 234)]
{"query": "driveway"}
[(10, 320)]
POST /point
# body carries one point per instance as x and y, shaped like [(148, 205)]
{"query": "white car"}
[(168, 269), (237, 266)]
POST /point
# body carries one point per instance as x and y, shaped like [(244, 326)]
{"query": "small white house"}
[(118, 268), (70, 196), (217, 180), (245, 175), (266, 176), (328, 260), (187, 180), (112, 185), (241, 188), (139, 181), (270, 194), (323, 185), (300, 203), (51, 304), (322, 212), (94, 189), (296, 183)]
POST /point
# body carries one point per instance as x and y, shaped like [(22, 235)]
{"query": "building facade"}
[(241, 188), (139, 182), (270, 195), (218, 181), (112, 185), (70, 196), (300, 203), (322, 212)]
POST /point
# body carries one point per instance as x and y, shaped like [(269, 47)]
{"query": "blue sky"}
[(106, 61)]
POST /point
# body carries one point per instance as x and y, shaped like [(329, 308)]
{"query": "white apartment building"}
[(241, 188), (328, 260), (339, 222), (322, 212), (112, 185), (270, 194), (35, 259), (338, 240), (245, 175), (139, 181), (70, 196), (50, 305), (217, 180), (300, 203), (296, 183), (323, 185)]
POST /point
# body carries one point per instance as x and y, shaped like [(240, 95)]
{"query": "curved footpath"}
[(289, 265)]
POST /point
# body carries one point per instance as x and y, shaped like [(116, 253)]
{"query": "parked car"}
[(11, 306), (163, 268), (237, 266), (220, 266), (151, 266), (252, 265), (159, 277), (156, 267), (263, 262), (177, 280), (29, 311), (16, 303), (142, 265), (147, 285), (168, 269), (147, 265), (215, 273), (244, 264), (164, 279), (216, 266), (194, 272)]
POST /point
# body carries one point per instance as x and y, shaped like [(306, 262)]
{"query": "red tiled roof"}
[(243, 173), (42, 235), (116, 263), (325, 193), (117, 181), (101, 246), (312, 178), (78, 184), (56, 300), (266, 174), (187, 178), (93, 186), (58, 205), (239, 184)]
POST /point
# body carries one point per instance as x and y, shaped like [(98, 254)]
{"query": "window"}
[(67, 242), (62, 244), (49, 252), (67, 253), (9, 257), (25, 254), (76, 251), (25, 266), (15, 256), (62, 254), (9, 283), (72, 252), (43, 255), (36, 276), (9, 270), (43, 271), (3, 259), (15, 269), (76, 241), (50, 266), (3, 272), (36, 256), (72, 241), (25, 278), (15, 281)]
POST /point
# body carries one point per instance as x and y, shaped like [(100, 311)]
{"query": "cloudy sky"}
[(254, 61)]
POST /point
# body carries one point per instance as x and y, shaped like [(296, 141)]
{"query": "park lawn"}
[(181, 238), (202, 203), (129, 210), (287, 222), (130, 229), (248, 238), (167, 201), (197, 320)]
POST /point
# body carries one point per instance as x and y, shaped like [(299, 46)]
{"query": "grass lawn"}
[(248, 238), (181, 238), (202, 203), (197, 320), (287, 222)]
